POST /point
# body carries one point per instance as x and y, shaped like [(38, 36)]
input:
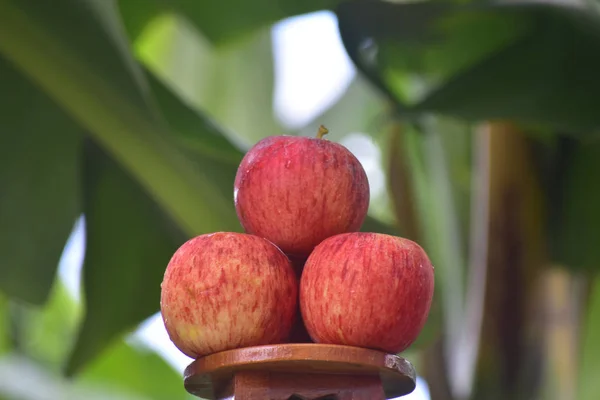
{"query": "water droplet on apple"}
[(287, 164)]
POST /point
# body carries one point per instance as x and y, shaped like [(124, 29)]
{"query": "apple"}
[(367, 290), (225, 291), (298, 191)]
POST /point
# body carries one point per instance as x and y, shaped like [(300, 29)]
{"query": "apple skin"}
[(367, 290), (225, 291), (298, 191)]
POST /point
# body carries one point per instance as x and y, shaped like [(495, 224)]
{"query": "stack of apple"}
[(301, 261)]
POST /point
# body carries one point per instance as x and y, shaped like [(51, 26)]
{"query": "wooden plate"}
[(210, 374)]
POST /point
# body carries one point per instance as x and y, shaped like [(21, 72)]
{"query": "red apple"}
[(228, 290), (367, 290), (298, 191)]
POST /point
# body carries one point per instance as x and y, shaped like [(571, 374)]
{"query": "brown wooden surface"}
[(257, 385), (309, 371)]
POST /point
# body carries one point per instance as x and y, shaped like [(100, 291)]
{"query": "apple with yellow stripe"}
[(367, 290), (224, 291), (297, 191)]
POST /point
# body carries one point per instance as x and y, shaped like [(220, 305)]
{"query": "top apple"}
[(298, 191)]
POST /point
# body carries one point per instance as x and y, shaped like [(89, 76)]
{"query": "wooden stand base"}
[(300, 372), (254, 385)]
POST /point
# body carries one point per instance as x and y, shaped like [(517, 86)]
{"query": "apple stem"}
[(322, 132)]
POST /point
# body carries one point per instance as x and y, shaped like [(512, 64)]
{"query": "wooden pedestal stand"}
[(300, 372)]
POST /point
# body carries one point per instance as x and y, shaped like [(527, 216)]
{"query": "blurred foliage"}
[(232, 77), (4, 326), (222, 22), (127, 249), (136, 113), (47, 334), (589, 384), (575, 218), (41, 187), (131, 368), (125, 371), (518, 60)]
